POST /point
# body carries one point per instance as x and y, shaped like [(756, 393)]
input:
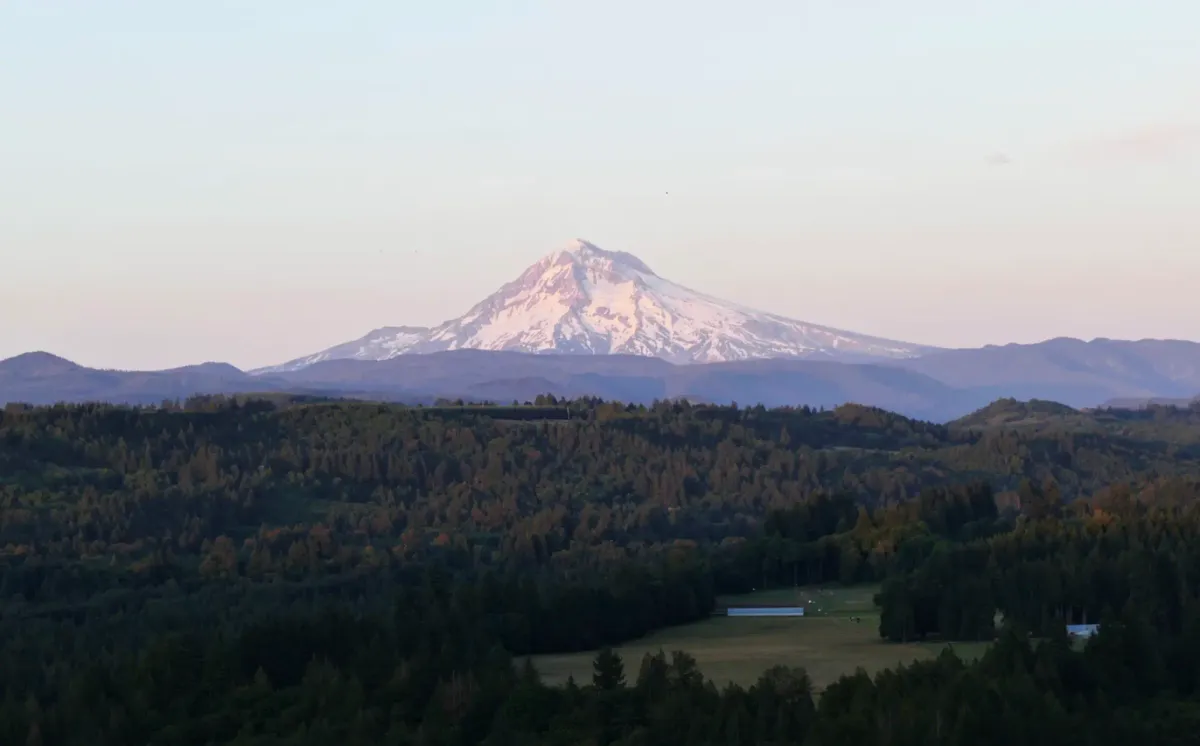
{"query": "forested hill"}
[(104, 481), (267, 572)]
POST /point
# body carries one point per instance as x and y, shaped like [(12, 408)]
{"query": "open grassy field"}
[(827, 641)]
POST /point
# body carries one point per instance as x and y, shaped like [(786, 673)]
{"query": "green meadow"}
[(838, 634)]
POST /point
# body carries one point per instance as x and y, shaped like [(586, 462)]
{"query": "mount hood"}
[(586, 300)]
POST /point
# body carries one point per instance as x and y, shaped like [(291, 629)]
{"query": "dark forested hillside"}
[(265, 571), (88, 480)]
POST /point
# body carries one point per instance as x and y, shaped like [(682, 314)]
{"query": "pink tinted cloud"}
[(1157, 142)]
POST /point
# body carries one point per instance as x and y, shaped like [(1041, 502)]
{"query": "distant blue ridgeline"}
[(766, 611)]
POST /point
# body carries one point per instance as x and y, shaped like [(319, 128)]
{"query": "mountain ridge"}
[(940, 388), (1070, 371)]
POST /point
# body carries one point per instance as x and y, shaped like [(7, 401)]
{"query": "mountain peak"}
[(580, 251), (582, 299), (579, 245), (38, 363)]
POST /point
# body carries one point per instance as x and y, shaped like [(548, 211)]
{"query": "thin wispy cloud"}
[(1151, 143)]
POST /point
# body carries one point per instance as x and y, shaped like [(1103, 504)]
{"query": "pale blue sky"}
[(252, 181)]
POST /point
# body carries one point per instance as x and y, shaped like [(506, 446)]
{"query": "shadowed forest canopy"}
[(278, 571), (97, 480)]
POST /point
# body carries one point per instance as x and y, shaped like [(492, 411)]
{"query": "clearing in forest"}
[(827, 641)]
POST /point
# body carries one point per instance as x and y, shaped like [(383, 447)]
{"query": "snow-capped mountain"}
[(585, 300)]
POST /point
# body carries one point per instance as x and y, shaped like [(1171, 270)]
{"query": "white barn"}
[(765, 611)]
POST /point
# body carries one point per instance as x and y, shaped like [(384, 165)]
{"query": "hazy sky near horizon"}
[(251, 182)]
